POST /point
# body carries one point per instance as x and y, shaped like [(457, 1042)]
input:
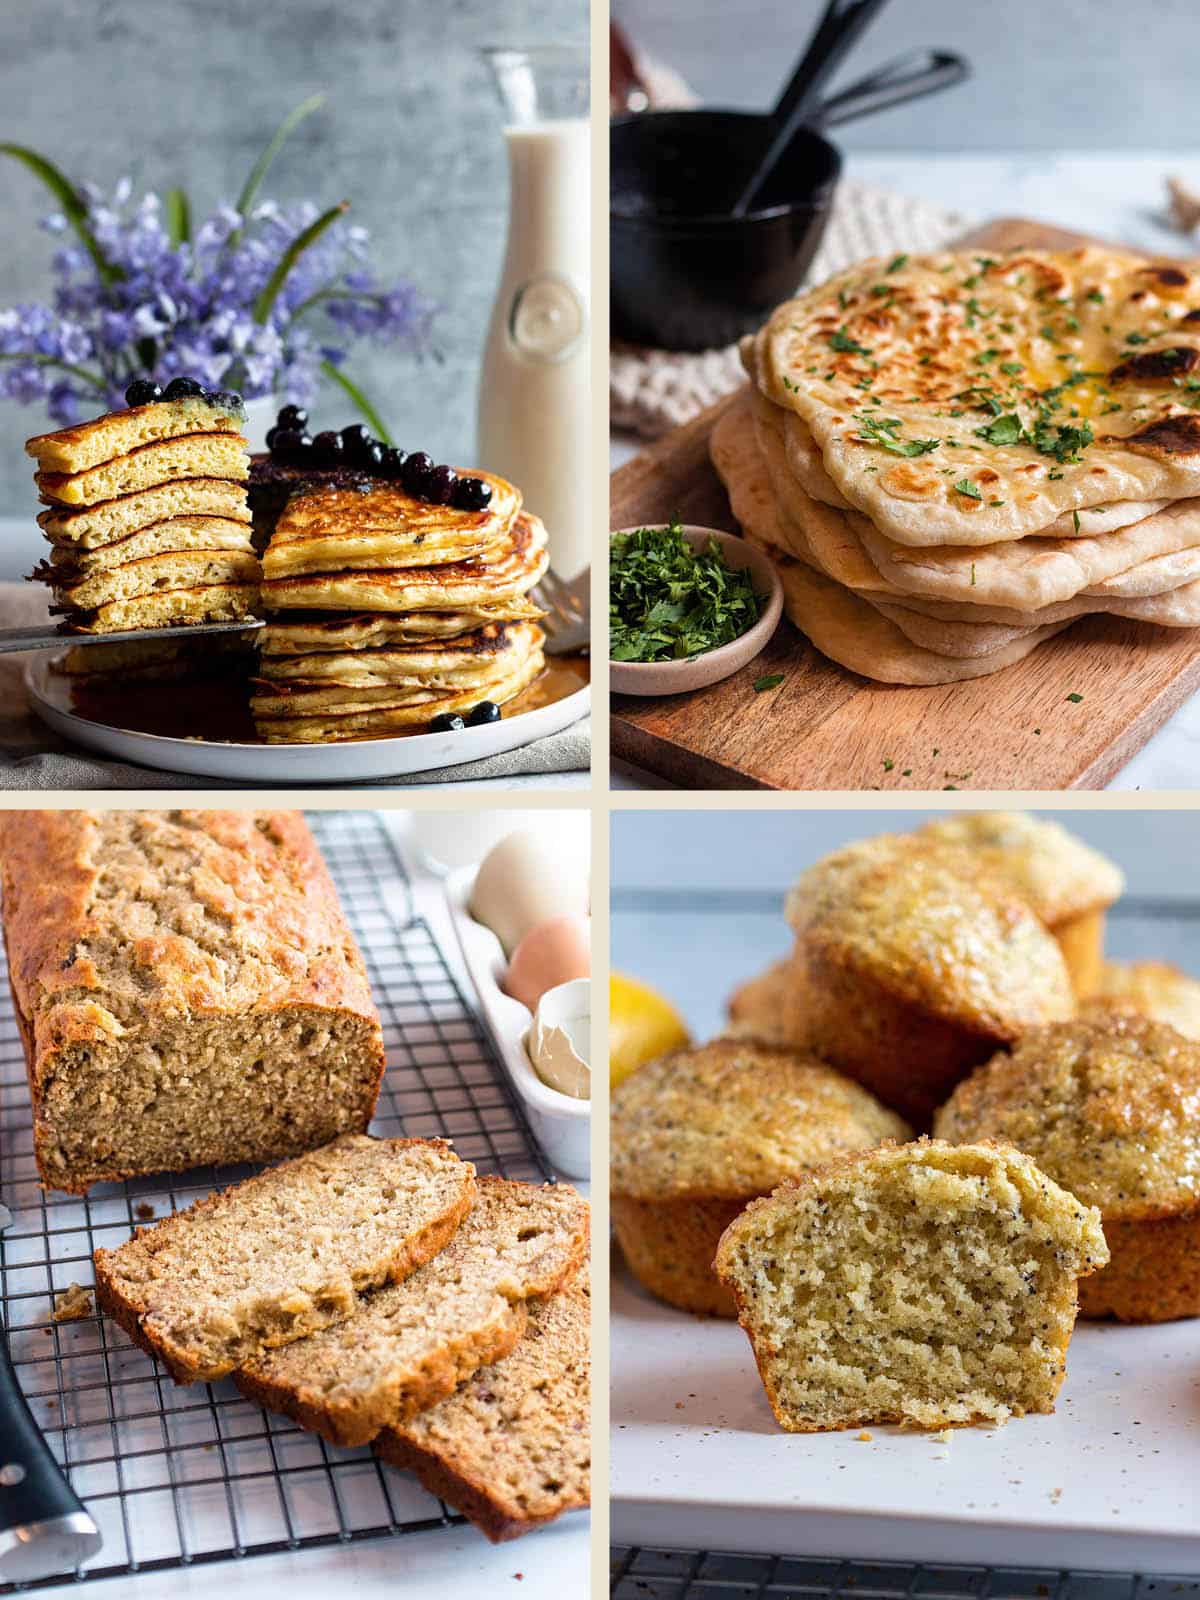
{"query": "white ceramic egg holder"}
[(561, 1124)]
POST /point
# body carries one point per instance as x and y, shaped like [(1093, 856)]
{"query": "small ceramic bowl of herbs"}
[(687, 607)]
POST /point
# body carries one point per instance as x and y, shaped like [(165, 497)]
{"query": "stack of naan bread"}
[(386, 611), (148, 517), (951, 457)]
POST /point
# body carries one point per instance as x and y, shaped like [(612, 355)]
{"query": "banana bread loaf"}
[(187, 989)]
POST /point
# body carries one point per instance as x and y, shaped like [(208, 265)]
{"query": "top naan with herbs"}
[(969, 399)]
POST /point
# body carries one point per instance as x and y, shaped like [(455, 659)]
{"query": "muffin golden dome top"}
[(1107, 1106), (1059, 875), (934, 925), (735, 1118)]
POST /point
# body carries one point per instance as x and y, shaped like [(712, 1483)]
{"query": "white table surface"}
[(454, 1563), (1114, 196)]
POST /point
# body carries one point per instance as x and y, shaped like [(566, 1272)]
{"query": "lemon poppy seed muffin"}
[(917, 961), (1069, 885), (700, 1132), (1152, 989), (1108, 1106), (924, 1284), (770, 1007)]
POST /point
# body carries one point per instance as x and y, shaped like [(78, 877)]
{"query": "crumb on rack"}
[(72, 1303), (143, 1211), (943, 1436), (866, 1437)]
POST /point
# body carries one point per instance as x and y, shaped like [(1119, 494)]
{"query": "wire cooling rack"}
[(184, 1476), (644, 1574)]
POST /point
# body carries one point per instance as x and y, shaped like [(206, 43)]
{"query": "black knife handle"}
[(43, 1526)]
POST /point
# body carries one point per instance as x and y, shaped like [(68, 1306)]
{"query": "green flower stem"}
[(359, 399), (270, 292), (261, 167), (53, 361), (68, 198)]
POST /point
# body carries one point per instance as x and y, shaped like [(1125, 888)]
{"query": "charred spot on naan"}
[(1175, 435), (1166, 276), (1174, 361), (1049, 279)]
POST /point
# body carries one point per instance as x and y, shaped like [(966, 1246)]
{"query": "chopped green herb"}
[(1075, 520), (669, 601), (972, 574), (1096, 297), (1005, 430), (888, 763), (1074, 698), (1011, 369), (845, 345), (971, 490), (1137, 338), (882, 431), (770, 681), (985, 357), (907, 773), (896, 263)]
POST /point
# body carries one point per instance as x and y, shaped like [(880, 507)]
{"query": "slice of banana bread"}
[(286, 1252), (187, 989), (511, 1447), (408, 1346)]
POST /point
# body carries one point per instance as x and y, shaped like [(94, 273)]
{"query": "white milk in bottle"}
[(534, 396)]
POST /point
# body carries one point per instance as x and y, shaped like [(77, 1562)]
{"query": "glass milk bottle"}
[(534, 393)]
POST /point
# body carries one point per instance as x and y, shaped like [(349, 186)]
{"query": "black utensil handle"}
[(836, 34), (42, 1522), (907, 78)]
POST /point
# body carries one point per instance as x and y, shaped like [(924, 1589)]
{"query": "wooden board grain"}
[(825, 728)]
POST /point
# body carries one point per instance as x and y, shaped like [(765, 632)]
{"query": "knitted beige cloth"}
[(653, 391)]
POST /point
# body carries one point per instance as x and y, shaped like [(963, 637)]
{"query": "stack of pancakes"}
[(386, 611), (952, 457), (148, 517)]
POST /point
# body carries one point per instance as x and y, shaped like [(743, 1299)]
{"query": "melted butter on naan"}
[(965, 398)]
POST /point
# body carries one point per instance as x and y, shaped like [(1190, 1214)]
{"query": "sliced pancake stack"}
[(952, 457), (148, 516), (387, 611)]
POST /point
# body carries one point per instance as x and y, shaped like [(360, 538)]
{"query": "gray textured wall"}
[(173, 92), (1049, 74)]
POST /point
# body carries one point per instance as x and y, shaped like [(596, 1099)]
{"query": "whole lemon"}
[(641, 1026)]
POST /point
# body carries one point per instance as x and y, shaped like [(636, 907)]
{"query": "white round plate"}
[(357, 761)]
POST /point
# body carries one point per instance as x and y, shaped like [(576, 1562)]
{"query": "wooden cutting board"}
[(826, 728)]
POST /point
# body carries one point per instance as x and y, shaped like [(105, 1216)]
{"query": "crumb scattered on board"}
[(72, 1303)]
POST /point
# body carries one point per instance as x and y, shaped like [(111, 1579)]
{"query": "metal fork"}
[(568, 622)]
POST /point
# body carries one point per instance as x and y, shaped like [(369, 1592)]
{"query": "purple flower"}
[(164, 309)]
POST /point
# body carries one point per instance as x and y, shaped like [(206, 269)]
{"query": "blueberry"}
[(486, 711), (393, 462), (416, 472), (472, 494), (273, 438), (142, 392), (372, 456), (227, 399), (442, 484), (182, 389), (328, 448), (355, 438), (447, 722), (289, 443), (293, 417)]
